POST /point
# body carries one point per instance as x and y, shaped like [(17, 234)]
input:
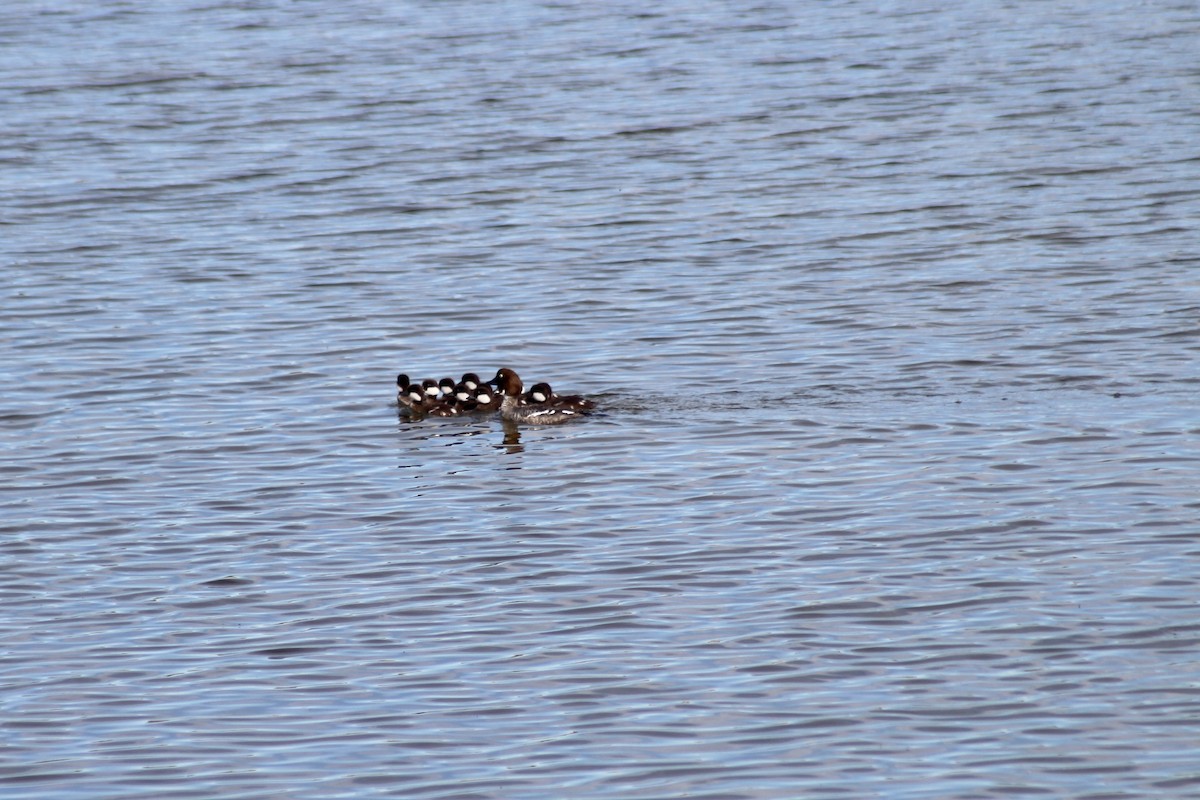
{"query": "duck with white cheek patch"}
[(402, 384), (518, 408), (542, 394), (422, 404)]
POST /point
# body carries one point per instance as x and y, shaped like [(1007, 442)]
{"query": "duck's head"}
[(507, 381)]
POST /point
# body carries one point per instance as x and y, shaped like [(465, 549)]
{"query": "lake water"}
[(893, 311)]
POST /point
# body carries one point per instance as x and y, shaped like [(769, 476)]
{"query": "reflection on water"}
[(504, 431), (512, 436), (891, 316)]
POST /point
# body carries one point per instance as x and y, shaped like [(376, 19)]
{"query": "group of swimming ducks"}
[(448, 398)]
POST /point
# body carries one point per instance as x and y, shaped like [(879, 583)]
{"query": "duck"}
[(464, 397), (542, 394), (430, 387), (422, 404), (480, 400), (471, 380), (402, 384), (486, 400), (515, 408), (409, 393), (446, 388), (411, 398)]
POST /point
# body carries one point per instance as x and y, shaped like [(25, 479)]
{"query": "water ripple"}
[(890, 315)]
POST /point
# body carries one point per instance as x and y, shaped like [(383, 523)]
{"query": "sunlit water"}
[(893, 317)]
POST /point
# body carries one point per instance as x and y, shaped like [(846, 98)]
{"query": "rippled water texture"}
[(892, 311)]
